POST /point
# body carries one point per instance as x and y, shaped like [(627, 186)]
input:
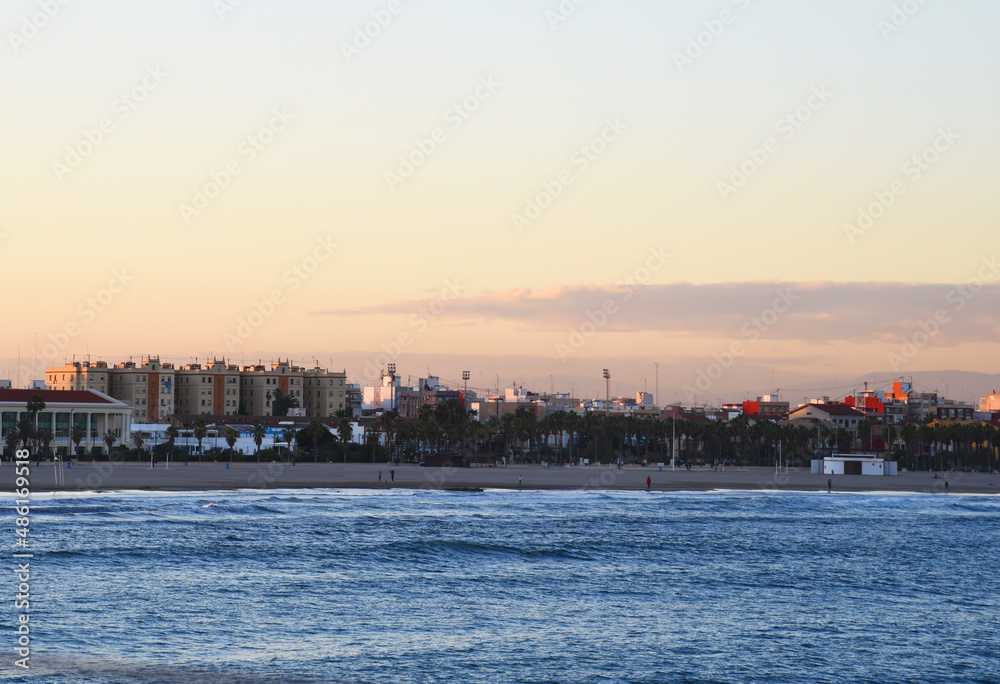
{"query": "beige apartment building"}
[(259, 384), (79, 376), (324, 392), (209, 390), (155, 390), (148, 387)]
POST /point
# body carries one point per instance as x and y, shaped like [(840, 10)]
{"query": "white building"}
[(838, 414), (385, 396), (856, 464), (94, 411)]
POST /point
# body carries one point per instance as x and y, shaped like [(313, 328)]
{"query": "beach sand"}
[(216, 476)]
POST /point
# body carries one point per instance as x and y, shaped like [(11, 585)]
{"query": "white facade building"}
[(95, 412)]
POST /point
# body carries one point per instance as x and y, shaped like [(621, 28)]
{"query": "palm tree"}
[(740, 428), (426, 428), (889, 438), (172, 434), (387, 421), (35, 405), (315, 431), (200, 432), (26, 431), (372, 433), (76, 435), (13, 437), (288, 436), (404, 434), (139, 438), (45, 437), (232, 435), (524, 425), (345, 431), (109, 440), (572, 425), (259, 432), (865, 432), (909, 434)]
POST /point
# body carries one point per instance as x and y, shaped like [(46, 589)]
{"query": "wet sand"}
[(216, 476)]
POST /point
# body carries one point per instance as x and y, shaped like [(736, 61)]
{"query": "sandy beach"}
[(217, 476)]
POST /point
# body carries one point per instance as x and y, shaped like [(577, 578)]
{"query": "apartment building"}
[(79, 376), (259, 385), (324, 392), (213, 389), (768, 406), (147, 386)]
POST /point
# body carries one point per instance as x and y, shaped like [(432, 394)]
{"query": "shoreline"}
[(106, 477)]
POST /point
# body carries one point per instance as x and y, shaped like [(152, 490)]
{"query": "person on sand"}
[(946, 486), (380, 477), (829, 486), (392, 475), (519, 480), (649, 481)]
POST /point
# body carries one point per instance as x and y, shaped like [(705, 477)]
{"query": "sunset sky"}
[(512, 188)]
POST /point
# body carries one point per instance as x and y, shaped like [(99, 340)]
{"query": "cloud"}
[(816, 312)]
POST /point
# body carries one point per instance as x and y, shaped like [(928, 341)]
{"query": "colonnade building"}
[(94, 412)]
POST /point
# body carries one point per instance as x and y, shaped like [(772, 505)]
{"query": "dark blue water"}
[(415, 586)]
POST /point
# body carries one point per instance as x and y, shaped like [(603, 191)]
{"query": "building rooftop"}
[(834, 409), (23, 396)]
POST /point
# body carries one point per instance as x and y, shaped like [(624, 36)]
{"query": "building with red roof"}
[(95, 412)]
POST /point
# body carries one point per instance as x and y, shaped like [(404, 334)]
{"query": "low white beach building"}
[(854, 464)]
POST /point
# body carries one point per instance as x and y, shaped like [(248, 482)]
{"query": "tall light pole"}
[(656, 397), (607, 392), (465, 379)]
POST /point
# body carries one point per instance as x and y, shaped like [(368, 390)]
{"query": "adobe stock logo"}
[(30, 26), (454, 118), (580, 160), (292, 278), (788, 126), (121, 109), (913, 170), (751, 331), (900, 17), (624, 289), (364, 35), (958, 297), (247, 152)]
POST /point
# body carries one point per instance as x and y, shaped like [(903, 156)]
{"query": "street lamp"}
[(465, 391), (607, 392)]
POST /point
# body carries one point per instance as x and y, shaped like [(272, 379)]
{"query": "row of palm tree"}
[(566, 436)]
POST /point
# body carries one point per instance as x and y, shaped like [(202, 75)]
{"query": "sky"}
[(750, 193)]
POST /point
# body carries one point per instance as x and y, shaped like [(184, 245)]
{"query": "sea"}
[(305, 586)]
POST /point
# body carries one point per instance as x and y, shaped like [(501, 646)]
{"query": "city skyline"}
[(656, 378), (541, 189)]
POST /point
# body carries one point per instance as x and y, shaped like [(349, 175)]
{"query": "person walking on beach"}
[(829, 486), (392, 475), (649, 481), (946, 486), (380, 477), (519, 480)]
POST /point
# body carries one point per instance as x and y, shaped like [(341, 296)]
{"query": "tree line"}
[(567, 437)]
